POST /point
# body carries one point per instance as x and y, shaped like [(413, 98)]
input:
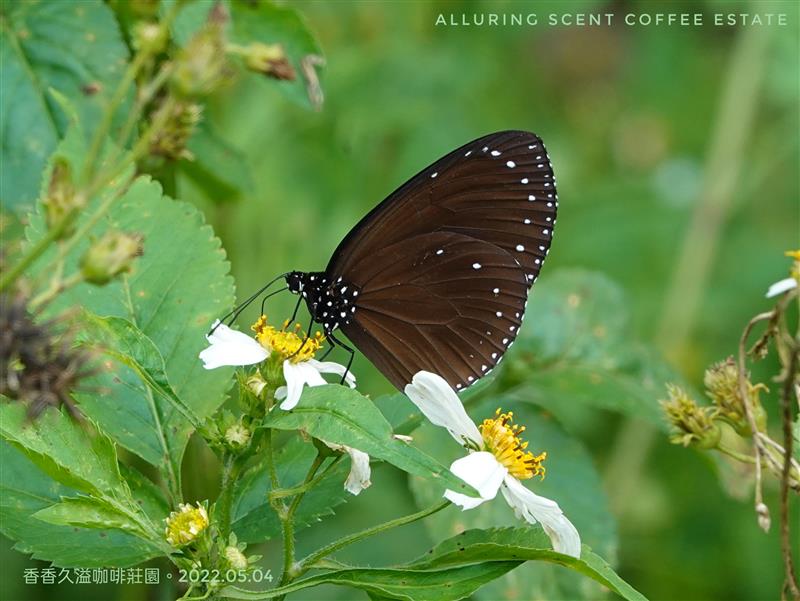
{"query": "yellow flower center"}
[(289, 345), (501, 437), (184, 525)]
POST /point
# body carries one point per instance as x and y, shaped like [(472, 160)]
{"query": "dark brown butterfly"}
[(436, 277)]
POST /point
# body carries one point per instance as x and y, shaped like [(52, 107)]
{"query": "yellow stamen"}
[(502, 439), (289, 345)]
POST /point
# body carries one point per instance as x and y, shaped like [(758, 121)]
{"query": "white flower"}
[(781, 286), (230, 347), (496, 459), (308, 373), (360, 473)]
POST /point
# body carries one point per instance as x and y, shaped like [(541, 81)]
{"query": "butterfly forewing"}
[(499, 189)]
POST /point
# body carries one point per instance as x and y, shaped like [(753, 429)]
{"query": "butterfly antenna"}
[(233, 314)]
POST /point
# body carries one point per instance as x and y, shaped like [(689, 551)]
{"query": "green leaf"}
[(254, 520), (74, 48), (269, 23), (25, 489), (172, 295), (342, 415), (578, 353), (406, 584), (86, 512), (571, 481), (120, 339), (218, 169), (68, 453), (526, 544)]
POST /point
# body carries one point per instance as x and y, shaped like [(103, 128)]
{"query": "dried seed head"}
[(37, 366)]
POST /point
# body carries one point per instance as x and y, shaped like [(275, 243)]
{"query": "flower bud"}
[(237, 436), (269, 59), (235, 558), (201, 67), (762, 513), (256, 384), (722, 387), (149, 37), (61, 199), (170, 141), (109, 256), (186, 524), (692, 423)]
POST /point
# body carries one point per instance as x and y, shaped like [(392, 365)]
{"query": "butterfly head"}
[(296, 281)]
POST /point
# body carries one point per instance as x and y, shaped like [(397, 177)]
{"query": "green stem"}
[(287, 522), (282, 493), (736, 454), (55, 289), (36, 251), (231, 470), (310, 561)]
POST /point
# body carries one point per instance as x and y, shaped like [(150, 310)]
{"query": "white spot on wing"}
[(476, 266), (510, 164)]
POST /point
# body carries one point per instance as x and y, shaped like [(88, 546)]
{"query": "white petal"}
[(330, 367), (359, 477), (532, 508), (230, 347), (433, 396), (781, 286), (481, 471), (463, 501), (281, 393), (298, 375)]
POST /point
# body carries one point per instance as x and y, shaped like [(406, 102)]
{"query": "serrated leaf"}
[(342, 415), (253, 518), (74, 48), (172, 295), (86, 512), (25, 489), (65, 451), (120, 339)]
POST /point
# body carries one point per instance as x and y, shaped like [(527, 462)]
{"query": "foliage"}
[(134, 127)]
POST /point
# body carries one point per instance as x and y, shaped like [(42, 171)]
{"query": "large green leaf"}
[(575, 351), (75, 48), (254, 519), (504, 544), (571, 481), (408, 584), (457, 568), (70, 454), (174, 292), (86, 512), (25, 489), (342, 415)]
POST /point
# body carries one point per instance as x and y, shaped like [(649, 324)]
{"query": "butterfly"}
[(436, 277)]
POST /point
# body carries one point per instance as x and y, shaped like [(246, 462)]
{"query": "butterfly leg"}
[(338, 342)]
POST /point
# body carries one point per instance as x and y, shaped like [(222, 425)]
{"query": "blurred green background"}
[(648, 128)]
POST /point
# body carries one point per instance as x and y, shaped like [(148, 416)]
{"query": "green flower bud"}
[(170, 141), (61, 198), (201, 67), (235, 558), (722, 387), (109, 256), (269, 60), (692, 424), (149, 37), (237, 436)]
